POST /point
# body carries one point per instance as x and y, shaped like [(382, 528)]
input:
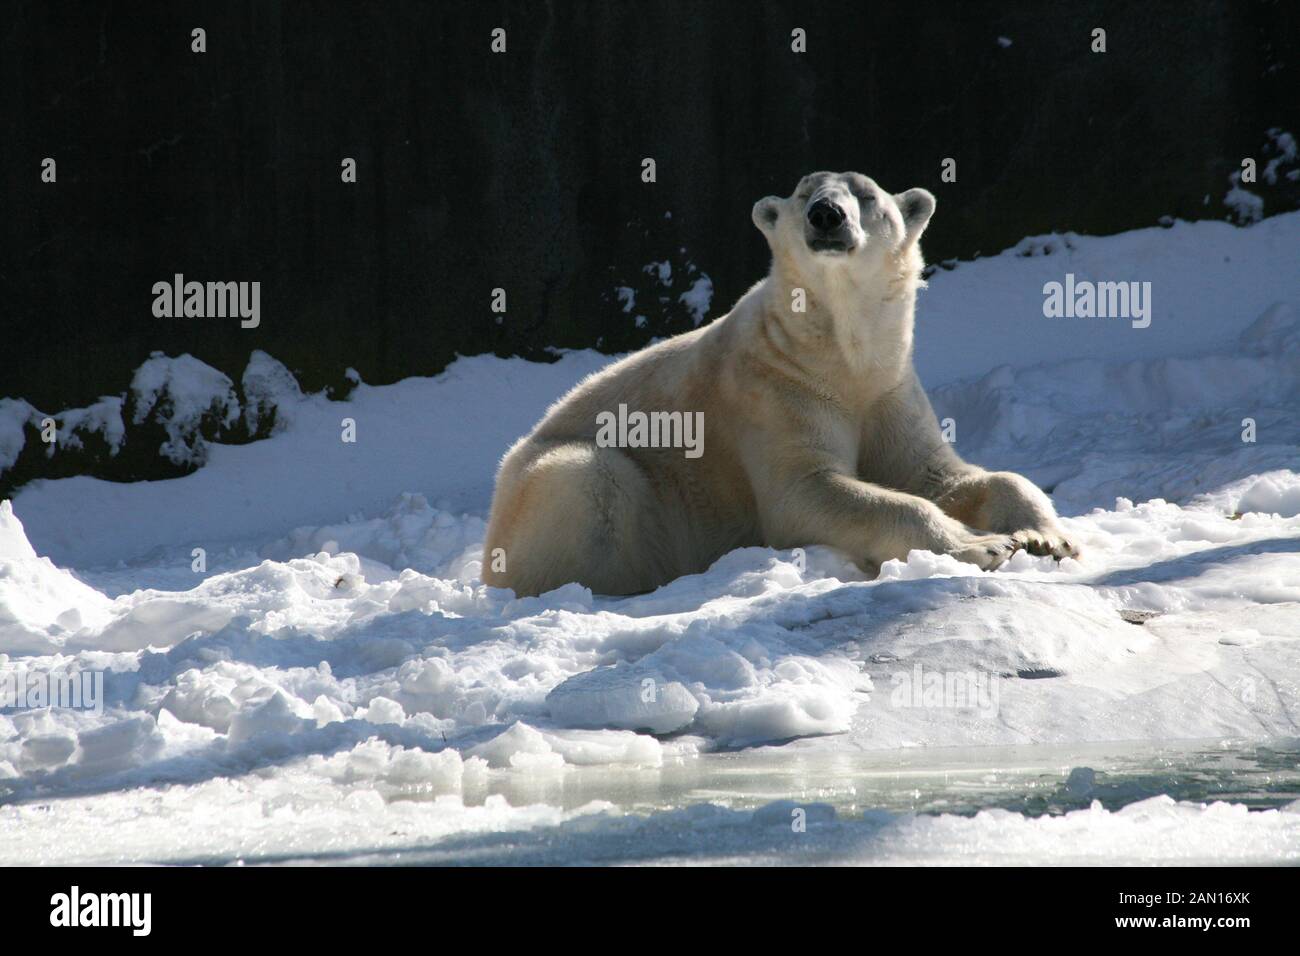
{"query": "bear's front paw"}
[(1046, 541), (986, 551)]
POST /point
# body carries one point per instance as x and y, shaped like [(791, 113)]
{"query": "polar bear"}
[(816, 430)]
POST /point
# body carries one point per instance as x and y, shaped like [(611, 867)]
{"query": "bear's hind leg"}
[(576, 512)]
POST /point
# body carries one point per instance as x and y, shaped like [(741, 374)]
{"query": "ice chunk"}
[(622, 698)]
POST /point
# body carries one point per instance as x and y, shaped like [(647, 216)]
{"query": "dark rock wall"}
[(523, 170)]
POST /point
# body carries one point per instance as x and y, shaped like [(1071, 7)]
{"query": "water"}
[(668, 815), (1032, 780)]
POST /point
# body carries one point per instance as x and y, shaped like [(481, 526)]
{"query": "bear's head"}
[(843, 220)]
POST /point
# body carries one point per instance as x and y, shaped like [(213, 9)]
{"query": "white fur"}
[(817, 430)]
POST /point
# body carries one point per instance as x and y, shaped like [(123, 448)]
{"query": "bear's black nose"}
[(825, 216)]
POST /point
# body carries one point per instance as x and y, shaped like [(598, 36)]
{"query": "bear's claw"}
[(1043, 543), (987, 552)]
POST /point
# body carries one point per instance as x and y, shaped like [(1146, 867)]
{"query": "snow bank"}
[(40, 605), (756, 649), (441, 438), (1153, 428), (1209, 281)]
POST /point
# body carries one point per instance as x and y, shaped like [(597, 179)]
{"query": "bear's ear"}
[(917, 206), (766, 212)]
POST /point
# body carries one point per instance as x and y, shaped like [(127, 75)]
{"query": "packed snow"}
[(301, 662)]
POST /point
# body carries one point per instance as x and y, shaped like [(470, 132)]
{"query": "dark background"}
[(523, 170)]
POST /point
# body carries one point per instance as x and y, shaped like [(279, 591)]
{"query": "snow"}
[(337, 681), (14, 416), (103, 417), (1284, 144), (40, 604), (380, 804), (1209, 281), (436, 437), (1246, 206), (662, 270), (698, 298), (1273, 494), (183, 390), (269, 389), (626, 296)]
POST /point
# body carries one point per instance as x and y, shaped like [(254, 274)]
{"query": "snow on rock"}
[(104, 417), (182, 391), (698, 298), (270, 389), (1246, 206), (15, 414)]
